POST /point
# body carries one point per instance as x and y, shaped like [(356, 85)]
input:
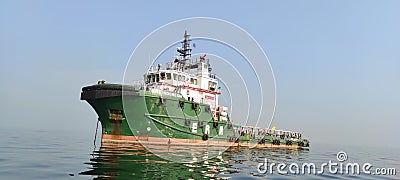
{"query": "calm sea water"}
[(42, 154)]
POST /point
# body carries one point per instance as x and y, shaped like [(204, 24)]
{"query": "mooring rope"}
[(95, 135)]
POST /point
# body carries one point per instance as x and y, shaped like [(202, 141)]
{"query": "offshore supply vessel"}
[(177, 103)]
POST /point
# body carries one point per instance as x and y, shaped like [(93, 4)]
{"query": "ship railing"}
[(171, 93), (175, 66), (157, 91), (245, 130)]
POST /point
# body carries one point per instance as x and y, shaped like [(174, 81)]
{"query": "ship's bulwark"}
[(154, 119)]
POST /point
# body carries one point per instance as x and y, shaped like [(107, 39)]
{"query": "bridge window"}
[(162, 75), (168, 76), (175, 77), (212, 85), (148, 79), (193, 81), (181, 78)]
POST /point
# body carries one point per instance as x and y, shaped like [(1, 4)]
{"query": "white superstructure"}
[(190, 77)]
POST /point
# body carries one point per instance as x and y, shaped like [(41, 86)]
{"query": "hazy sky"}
[(336, 63)]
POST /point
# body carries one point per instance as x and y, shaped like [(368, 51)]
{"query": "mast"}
[(185, 52)]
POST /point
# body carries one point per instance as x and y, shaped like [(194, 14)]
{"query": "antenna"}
[(149, 64), (185, 51)]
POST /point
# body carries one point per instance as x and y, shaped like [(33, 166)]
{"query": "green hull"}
[(141, 114)]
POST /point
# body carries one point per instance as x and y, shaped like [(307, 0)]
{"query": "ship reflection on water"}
[(114, 160), (132, 161)]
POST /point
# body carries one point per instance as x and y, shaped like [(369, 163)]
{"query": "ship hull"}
[(140, 116)]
